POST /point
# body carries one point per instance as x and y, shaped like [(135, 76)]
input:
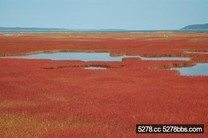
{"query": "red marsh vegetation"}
[(47, 98)]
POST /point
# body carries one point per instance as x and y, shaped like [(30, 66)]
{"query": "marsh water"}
[(95, 68), (199, 69), (84, 56)]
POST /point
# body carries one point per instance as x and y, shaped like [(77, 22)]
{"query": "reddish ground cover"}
[(45, 98)]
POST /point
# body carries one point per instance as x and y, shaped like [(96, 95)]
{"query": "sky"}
[(103, 14)]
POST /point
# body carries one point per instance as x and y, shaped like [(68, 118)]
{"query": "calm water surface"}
[(95, 68), (200, 69), (83, 56)]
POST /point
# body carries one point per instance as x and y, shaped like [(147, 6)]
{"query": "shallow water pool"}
[(200, 69), (95, 68), (84, 56)]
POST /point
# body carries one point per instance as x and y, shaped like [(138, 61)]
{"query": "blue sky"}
[(103, 14)]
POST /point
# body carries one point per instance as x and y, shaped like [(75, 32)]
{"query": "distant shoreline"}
[(98, 31), (56, 30)]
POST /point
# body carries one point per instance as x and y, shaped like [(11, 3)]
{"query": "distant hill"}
[(196, 27), (34, 29)]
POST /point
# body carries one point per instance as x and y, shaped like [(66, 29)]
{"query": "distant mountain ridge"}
[(196, 27)]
